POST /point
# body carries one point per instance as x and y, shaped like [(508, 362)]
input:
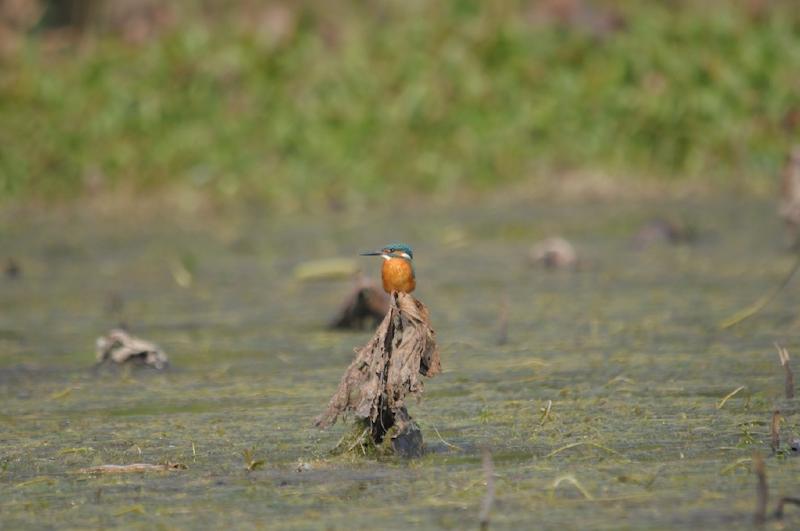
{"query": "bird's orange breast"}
[(398, 275)]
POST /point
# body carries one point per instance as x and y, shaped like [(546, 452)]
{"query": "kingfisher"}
[(397, 272)]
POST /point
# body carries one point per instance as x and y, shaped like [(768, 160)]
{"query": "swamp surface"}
[(627, 350)]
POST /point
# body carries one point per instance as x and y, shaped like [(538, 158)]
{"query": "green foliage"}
[(405, 96), (250, 462)]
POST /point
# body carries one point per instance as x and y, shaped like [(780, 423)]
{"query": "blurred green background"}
[(297, 104)]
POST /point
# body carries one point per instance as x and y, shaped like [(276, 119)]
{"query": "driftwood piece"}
[(385, 371), (366, 305), (783, 354), (118, 346), (133, 468)]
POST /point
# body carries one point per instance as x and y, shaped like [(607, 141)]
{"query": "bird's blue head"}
[(394, 250)]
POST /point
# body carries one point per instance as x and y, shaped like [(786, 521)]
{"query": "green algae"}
[(601, 410)]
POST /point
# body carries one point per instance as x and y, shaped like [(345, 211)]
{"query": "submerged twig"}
[(783, 501), (502, 322), (488, 500), (775, 431), (736, 464), (729, 396), (762, 491), (645, 481), (451, 445), (584, 443), (545, 413), (575, 483), (783, 354), (131, 509), (35, 481), (761, 303)]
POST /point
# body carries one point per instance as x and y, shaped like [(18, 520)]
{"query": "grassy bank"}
[(352, 100)]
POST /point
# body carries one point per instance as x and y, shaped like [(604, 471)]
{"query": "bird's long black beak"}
[(378, 253)]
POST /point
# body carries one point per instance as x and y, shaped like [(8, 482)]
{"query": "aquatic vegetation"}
[(610, 376), (250, 462)]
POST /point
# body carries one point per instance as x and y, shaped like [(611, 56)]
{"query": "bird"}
[(789, 204), (397, 272)]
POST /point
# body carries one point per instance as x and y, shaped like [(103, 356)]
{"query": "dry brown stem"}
[(502, 322), (762, 491), (761, 303), (775, 431), (784, 357), (781, 503), (488, 500)]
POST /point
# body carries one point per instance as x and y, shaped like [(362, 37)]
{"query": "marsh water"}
[(626, 350)]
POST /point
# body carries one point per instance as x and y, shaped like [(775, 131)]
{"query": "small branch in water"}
[(451, 445), (736, 464), (781, 503), (361, 440), (775, 431), (584, 443), (488, 500), (761, 303), (545, 413), (575, 483), (783, 354), (131, 509), (762, 491), (729, 396), (502, 322)]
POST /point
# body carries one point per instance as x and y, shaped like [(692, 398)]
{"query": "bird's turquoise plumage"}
[(402, 247)]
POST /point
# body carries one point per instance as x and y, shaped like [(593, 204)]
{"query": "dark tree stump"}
[(384, 372)]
